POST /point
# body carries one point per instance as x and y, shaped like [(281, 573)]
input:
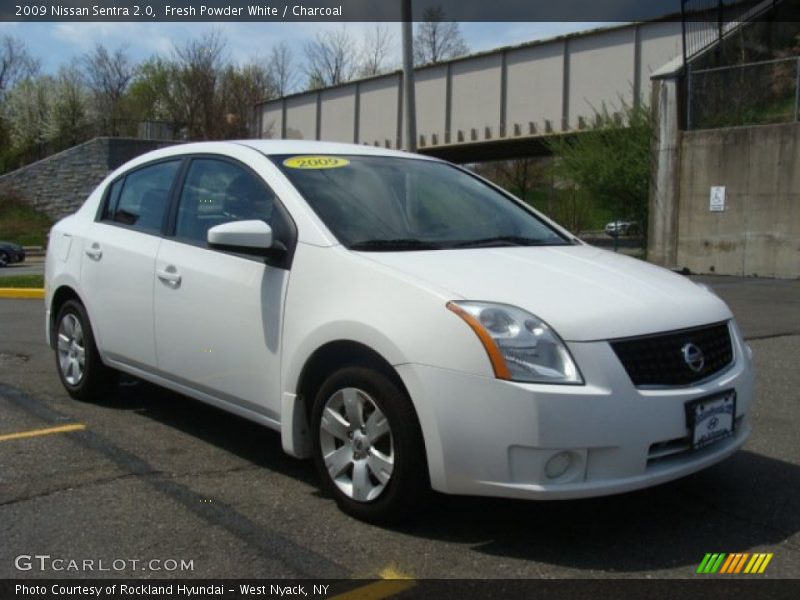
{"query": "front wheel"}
[(368, 446), (80, 368)]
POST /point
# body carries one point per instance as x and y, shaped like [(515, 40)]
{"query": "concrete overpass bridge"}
[(494, 105)]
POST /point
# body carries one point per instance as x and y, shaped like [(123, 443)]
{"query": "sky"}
[(57, 43)]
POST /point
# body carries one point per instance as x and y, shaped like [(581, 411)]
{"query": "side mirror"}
[(245, 237)]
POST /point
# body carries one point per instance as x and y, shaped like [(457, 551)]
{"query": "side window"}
[(217, 191), (140, 199)]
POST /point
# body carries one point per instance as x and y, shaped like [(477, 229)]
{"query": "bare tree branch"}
[(281, 68), (330, 58), (16, 63), (436, 39), (198, 64), (378, 46), (107, 76)]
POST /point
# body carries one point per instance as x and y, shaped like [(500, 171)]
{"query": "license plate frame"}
[(711, 419)]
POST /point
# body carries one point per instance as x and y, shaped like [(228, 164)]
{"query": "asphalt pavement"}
[(148, 475)]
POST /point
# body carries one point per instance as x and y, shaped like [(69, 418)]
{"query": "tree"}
[(378, 45), (197, 68), (241, 88), (68, 122), (611, 161), (108, 75), (150, 94), (198, 91), (281, 69), (27, 109), (16, 63), (329, 58), (436, 39)]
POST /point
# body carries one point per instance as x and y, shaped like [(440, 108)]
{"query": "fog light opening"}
[(558, 464)]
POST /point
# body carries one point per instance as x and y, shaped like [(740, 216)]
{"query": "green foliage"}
[(572, 208), (150, 95), (611, 161), (197, 90), (22, 224), (21, 281), (532, 180)]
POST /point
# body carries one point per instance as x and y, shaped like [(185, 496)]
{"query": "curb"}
[(21, 292)]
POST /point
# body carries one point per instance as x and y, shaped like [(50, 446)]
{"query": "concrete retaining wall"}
[(60, 183), (759, 231)]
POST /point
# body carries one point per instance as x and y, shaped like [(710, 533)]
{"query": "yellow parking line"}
[(393, 583), (391, 573), (21, 292), (37, 432)]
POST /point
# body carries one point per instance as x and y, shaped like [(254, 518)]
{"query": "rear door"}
[(117, 269), (218, 315)]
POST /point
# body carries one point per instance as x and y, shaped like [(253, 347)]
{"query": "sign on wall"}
[(717, 199)]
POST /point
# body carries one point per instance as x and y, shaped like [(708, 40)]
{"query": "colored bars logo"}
[(741, 562)]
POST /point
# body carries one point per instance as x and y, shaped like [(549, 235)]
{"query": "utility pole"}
[(409, 102)]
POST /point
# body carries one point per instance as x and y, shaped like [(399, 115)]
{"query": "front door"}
[(218, 315)]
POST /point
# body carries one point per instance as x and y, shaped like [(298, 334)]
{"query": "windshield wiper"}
[(506, 240), (397, 244)]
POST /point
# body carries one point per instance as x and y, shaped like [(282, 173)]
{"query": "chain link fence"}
[(746, 94)]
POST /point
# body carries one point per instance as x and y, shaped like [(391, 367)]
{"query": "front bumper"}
[(491, 437)]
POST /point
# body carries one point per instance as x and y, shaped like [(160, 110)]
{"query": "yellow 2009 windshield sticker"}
[(315, 162)]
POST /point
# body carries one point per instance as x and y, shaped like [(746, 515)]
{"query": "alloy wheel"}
[(356, 443), (71, 349)]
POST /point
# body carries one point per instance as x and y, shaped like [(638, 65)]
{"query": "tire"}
[(382, 470), (3, 258), (89, 380)]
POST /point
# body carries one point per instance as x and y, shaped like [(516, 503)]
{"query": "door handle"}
[(169, 275), (94, 252)]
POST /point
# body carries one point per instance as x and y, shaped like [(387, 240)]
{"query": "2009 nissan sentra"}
[(405, 323)]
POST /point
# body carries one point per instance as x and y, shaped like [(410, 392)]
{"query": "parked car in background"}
[(621, 228), (11, 253), (403, 322)]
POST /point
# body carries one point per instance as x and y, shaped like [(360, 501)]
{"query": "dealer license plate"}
[(711, 418)]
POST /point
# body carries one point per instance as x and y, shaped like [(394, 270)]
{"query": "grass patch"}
[(21, 281), (22, 224)]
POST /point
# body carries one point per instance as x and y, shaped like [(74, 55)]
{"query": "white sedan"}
[(404, 322)]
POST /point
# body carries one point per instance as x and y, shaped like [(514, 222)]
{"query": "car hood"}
[(583, 292)]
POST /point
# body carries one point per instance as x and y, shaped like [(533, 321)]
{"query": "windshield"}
[(381, 203)]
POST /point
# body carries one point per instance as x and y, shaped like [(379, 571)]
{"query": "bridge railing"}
[(745, 94)]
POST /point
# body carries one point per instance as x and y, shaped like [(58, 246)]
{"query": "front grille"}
[(659, 359)]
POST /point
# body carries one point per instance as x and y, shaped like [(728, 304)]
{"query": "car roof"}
[(312, 146), (265, 147), (268, 148)]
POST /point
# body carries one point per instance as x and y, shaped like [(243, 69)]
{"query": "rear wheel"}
[(368, 446), (80, 368), (3, 258)]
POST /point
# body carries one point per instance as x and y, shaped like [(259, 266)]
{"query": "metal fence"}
[(707, 22), (746, 94)]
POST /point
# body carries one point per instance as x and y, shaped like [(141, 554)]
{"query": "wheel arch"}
[(325, 360), (61, 295)]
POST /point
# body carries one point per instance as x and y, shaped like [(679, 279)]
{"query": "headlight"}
[(521, 347)]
